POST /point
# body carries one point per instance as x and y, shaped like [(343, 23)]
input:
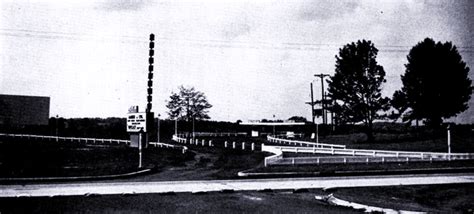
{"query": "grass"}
[(51, 159), (209, 163), (448, 198), (460, 141), (216, 202), (452, 198)]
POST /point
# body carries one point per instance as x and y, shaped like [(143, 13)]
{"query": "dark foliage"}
[(436, 85), (188, 104), (356, 85)]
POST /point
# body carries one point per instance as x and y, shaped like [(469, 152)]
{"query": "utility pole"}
[(274, 126), (323, 97), (312, 102), (158, 130), (176, 126), (57, 117), (449, 141)]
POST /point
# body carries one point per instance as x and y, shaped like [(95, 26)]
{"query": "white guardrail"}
[(166, 145), (213, 134), (72, 139), (273, 139), (351, 155)]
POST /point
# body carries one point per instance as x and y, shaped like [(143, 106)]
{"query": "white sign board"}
[(136, 122), (254, 133), (290, 134)]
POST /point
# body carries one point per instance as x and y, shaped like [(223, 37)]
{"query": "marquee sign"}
[(136, 122)]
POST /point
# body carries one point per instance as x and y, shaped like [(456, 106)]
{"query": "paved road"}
[(218, 185)]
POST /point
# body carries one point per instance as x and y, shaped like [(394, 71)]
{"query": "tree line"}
[(436, 86)]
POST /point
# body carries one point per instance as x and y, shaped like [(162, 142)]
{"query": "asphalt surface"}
[(70, 189)]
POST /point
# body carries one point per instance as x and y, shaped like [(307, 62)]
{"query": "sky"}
[(253, 59)]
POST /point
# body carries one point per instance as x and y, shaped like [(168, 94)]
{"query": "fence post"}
[(317, 160), (253, 146), (408, 160), (233, 145), (367, 160), (210, 143), (243, 145), (292, 161), (202, 142), (345, 160), (225, 144), (383, 159)]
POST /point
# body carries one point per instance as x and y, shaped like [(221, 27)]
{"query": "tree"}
[(436, 84), (175, 106), (356, 85), (188, 104), (298, 119)]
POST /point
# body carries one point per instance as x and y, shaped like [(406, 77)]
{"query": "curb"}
[(247, 174), (76, 178)]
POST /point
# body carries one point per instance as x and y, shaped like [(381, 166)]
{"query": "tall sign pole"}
[(140, 158), (150, 73)]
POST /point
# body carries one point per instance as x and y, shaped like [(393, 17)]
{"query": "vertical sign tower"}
[(150, 73), (149, 98)]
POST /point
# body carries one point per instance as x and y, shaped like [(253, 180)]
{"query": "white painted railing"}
[(375, 153), (350, 155), (303, 143), (167, 145), (180, 138), (72, 139), (213, 134), (277, 155)]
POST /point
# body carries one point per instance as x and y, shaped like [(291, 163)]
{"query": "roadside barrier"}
[(213, 134), (65, 139), (351, 155), (273, 139), (166, 145), (181, 138)]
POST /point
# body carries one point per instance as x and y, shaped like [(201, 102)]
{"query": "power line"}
[(205, 43)]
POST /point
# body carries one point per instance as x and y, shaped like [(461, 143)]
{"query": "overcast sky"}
[(252, 60)]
